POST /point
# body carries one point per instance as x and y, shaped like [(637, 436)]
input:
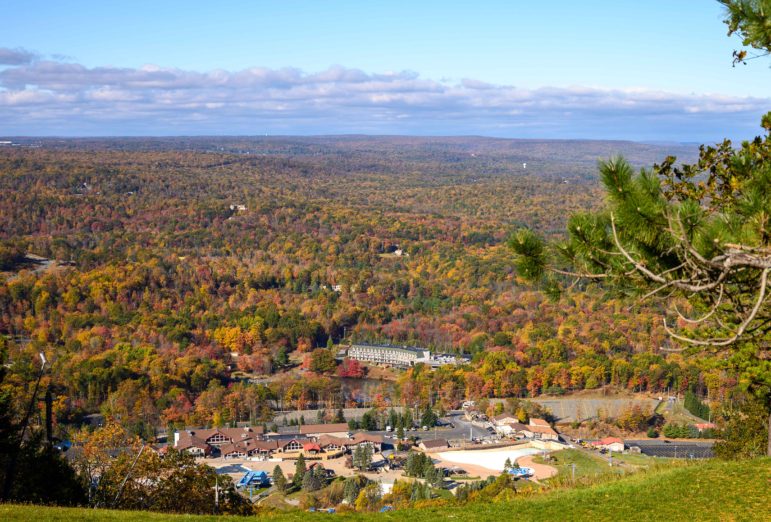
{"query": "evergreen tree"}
[(281, 358), (744, 435), (429, 417), (697, 232), (369, 420), (695, 406), (340, 416), (299, 471), (279, 480), (392, 418), (353, 485), (362, 457), (408, 419), (311, 482)]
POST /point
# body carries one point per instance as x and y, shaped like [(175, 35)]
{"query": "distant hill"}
[(706, 491), (465, 149)]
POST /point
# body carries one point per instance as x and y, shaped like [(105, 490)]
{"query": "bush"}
[(634, 418), (652, 433), (746, 432)]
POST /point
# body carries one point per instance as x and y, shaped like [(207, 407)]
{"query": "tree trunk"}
[(769, 436)]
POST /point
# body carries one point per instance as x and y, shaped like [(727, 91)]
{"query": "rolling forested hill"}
[(171, 254)]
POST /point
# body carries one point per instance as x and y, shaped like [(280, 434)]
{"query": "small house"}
[(429, 446), (609, 444)]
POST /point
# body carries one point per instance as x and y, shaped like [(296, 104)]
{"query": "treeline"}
[(695, 406), (173, 299)]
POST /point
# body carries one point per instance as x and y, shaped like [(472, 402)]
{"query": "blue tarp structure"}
[(253, 478), (521, 472)]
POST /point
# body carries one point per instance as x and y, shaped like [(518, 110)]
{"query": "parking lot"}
[(454, 427), (677, 449)]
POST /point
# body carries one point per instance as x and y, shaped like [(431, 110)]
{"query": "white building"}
[(401, 356)]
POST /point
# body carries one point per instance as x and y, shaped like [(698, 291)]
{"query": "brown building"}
[(315, 430), (433, 445)]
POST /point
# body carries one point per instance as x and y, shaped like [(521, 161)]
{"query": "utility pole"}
[(49, 416), (216, 492)]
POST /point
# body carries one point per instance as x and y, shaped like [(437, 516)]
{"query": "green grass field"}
[(587, 464), (697, 492)]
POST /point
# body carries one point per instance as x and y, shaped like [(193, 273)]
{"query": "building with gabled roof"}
[(610, 444), (543, 433), (194, 440), (516, 428), (433, 445), (339, 429), (505, 418), (376, 441), (193, 445), (330, 443)]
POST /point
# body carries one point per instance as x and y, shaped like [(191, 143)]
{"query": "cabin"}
[(543, 433), (430, 446), (705, 426), (610, 444)]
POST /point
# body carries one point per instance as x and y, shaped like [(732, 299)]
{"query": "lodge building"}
[(399, 356)]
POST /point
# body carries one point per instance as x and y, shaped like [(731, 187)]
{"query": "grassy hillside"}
[(704, 491)]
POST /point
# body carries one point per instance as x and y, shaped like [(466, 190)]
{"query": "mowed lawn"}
[(703, 491)]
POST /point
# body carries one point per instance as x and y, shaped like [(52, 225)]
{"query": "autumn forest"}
[(208, 280)]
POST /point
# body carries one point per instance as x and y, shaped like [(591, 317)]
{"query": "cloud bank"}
[(53, 97)]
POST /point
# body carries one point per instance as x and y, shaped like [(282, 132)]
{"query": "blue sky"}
[(652, 70)]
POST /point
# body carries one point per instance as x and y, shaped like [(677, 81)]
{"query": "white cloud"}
[(16, 56), (111, 100)]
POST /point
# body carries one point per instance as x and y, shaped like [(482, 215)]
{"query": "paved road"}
[(462, 429)]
